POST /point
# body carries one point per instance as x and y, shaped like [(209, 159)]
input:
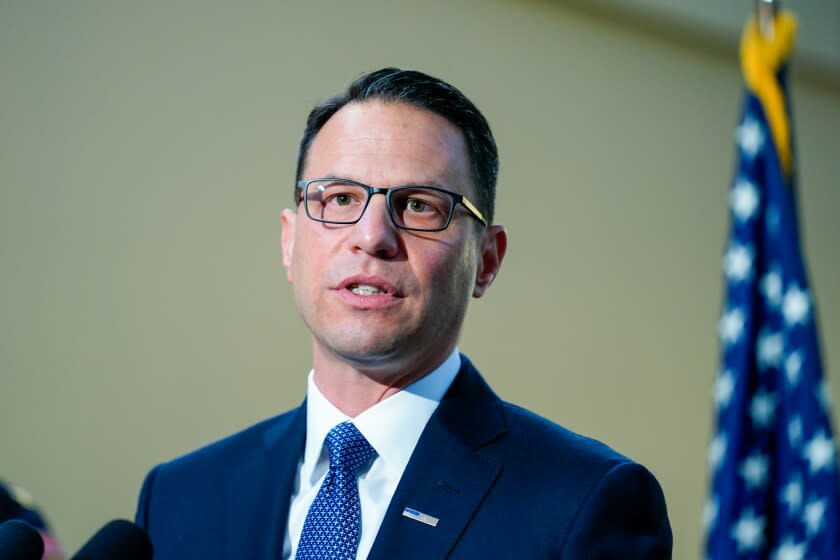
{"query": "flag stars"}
[(824, 394), (813, 515), (748, 531), (772, 458), (771, 288), (794, 430), (744, 199), (738, 263), (792, 495), (710, 513), (819, 452), (749, 137), (762, 409), (724, 387), (716, 451), (790, 551), (754, 470), (731, 326), (769, 350), (793, 367), (796, 306)]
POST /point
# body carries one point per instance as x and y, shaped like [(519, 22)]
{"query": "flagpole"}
[(765, 13)]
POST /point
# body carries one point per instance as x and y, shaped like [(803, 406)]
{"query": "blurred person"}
[(17, 503)]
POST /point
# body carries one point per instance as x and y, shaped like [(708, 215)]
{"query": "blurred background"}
[(148, 148)]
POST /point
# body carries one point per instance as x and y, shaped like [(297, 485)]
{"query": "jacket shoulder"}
[(602, 504), (205, 504), (264, 433), (179, 484), (539, 437)]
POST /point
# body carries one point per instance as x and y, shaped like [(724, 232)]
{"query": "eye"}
[(339, 196), (417, 206), (342, 199)]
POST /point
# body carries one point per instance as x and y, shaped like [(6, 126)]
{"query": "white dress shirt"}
[(392, 427)]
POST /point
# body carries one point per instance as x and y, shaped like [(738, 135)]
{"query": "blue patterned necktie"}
[(331, 528)]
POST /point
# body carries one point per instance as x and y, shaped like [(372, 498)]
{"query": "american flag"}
[(775, 490)]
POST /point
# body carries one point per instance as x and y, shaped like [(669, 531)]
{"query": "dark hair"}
[(424, 92)]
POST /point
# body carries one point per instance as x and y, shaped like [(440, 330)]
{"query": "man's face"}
[(387, 301)]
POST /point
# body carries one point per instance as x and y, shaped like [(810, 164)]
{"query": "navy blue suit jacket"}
[(504, 483)]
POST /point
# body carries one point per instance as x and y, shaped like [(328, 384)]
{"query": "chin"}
[(359, 344)]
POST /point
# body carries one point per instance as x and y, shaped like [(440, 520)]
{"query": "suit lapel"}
[(258, 495), (446, 478)]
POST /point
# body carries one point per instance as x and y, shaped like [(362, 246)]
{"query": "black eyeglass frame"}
[(302, 186)]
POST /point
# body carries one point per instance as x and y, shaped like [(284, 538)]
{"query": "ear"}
[(288, 221), (493, 247)]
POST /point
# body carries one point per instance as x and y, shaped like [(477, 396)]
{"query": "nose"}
[(375, 233)]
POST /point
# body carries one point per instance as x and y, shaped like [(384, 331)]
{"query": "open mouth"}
[(366, 290)]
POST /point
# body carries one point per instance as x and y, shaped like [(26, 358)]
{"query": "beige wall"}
[(147, 148)]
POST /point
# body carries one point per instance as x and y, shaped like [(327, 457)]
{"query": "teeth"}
[(365, 290)]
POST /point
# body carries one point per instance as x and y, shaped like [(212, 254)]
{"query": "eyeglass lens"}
[(340, 202)]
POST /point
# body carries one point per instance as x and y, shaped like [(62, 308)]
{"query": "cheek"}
[(452, 275), (303, 269), (306, 258)]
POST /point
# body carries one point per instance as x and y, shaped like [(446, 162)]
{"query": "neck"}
[(353, 388)]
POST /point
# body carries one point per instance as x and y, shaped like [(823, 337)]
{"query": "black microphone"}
[(117, 540), (20, 541)]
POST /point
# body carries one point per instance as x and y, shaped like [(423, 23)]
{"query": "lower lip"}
[(376, 301)]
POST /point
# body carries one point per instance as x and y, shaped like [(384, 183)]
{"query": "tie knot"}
[(348, 448)]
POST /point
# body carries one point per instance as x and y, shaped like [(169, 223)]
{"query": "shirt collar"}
[(392, 426)]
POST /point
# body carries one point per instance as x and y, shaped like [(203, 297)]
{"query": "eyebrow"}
[(431, 183)]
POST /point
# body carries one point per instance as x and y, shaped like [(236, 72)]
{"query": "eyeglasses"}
[(417, 208)]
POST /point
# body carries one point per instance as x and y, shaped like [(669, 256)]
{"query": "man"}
[(400, 450)]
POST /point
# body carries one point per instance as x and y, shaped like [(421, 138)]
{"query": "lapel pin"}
[(421, 517)]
